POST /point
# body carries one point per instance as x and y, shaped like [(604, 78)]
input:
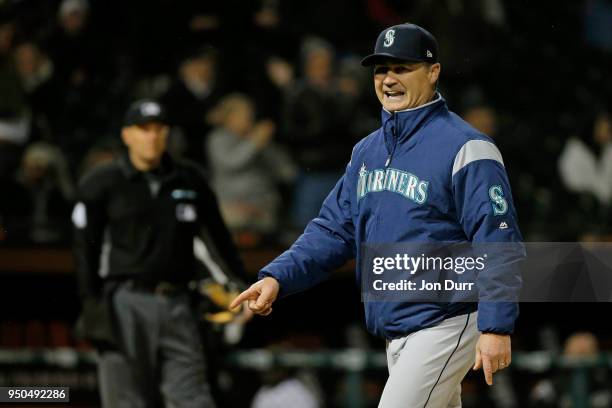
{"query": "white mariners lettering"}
[(422, 190), (412, 183), (393, 180), (403, 183), (378, 180)]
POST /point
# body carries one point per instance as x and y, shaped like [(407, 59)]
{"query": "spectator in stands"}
[(270, 84), (36, 70), (13, 132), (483, 118), (41, 198), (79, 61), (315, 129), (585, 167), (354, 99), (271, 46), (246, 165), (194, 92), (45, 177), (70, 43), (7, 32), (14, 115), (283, 390), (580, 346), (283, 387)]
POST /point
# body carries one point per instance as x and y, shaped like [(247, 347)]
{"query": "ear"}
[(165, 131), (434, 73), (125, 135)]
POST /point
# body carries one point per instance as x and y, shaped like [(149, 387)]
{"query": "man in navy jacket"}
[(424, 177)]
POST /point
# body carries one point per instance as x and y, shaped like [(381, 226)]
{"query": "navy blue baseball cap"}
[(144, 111), (405, 42)]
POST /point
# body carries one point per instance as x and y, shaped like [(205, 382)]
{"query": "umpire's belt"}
[(162, 288)]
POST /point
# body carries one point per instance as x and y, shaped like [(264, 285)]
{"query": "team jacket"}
[(150, 227), (425, 176)]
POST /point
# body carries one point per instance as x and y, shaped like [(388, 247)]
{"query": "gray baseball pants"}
[(161, 362), (426, 367)]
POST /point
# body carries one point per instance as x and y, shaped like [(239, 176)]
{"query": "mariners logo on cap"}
[(150, 109), (389, 38)]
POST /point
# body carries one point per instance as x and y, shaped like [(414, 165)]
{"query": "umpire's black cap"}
[(406, 42), (144, 111)]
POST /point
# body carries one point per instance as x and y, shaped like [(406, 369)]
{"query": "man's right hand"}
[(260, 296)]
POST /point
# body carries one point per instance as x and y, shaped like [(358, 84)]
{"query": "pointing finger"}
[(246, 295), (486, 367)]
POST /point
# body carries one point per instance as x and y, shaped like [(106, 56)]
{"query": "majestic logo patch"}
[(390, 179), (498, 202), (186, 212), (389, 38)]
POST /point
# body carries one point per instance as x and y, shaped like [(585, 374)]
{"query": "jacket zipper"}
[(393, 133)]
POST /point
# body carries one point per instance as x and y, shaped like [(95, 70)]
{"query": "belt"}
[(169, 289), (163, 288)]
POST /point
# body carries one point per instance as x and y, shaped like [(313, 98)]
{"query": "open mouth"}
[(394, 94)]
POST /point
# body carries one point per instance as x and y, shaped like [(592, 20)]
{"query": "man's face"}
[(404, 85), (146, 142), (201, 69), (27, 59), (318, 67), (74, 21)]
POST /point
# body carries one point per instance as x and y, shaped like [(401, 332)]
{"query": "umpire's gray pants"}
[(161, 355), (426, 367)]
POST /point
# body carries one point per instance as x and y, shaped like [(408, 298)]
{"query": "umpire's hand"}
[(260, 296), (493, 353)]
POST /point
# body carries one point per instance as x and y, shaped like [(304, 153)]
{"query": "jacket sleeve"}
[(486, 212), (326, 244), (214, 248), (89, 222)]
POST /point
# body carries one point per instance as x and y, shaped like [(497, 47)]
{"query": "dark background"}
[(538, 69)]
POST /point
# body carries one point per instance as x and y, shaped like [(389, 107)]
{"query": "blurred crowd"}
[(269, 97)]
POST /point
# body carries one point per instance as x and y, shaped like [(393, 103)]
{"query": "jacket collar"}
[(406, 122)]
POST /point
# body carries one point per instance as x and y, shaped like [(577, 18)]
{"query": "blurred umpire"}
[(146, 227)]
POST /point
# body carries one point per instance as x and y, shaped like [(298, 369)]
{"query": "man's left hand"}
[(493, 353)]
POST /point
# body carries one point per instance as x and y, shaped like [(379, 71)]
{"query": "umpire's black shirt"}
[(130, 223)]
